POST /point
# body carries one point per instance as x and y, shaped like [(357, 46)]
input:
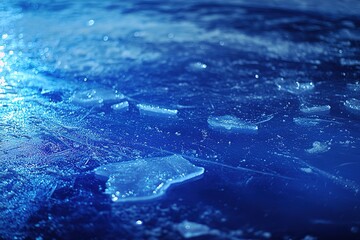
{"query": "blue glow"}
[(214, 119)]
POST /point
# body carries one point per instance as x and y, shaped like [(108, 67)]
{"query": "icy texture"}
[(145, 179), (65, 65), (152, 110), (231, 124)]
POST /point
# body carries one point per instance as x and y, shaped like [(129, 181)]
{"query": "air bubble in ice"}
[(145, 179), (231, 124)]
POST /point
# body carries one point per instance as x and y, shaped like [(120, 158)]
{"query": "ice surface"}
[(145, 179), (189, 229), (231, 124), (273, 66), (152, 110)]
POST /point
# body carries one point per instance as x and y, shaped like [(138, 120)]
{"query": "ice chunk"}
[(353, 105), (122, 107), (152, 110), (315, 109), (295, 87), (319, 147), (145, 179), (96, 97), (189, 229), (231, 124)]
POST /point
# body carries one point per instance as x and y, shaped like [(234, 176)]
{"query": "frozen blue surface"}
[(85, 85)]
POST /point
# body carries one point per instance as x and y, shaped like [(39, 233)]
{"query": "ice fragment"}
[(122, 107), (295, 87), (231, 124), (319, 147), (96, 97), (189, 229), (315, 109), (152, 110), (145, 179)]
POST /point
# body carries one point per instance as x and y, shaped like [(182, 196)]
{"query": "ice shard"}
[(151, 110), (233, 124), (148, 178), (95, 97)]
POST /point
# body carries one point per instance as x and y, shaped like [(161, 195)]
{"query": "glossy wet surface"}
[(264, 96)]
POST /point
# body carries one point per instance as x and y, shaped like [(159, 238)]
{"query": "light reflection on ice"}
[(62, 88)]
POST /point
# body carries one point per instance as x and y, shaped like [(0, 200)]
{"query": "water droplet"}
[(91, 22)]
